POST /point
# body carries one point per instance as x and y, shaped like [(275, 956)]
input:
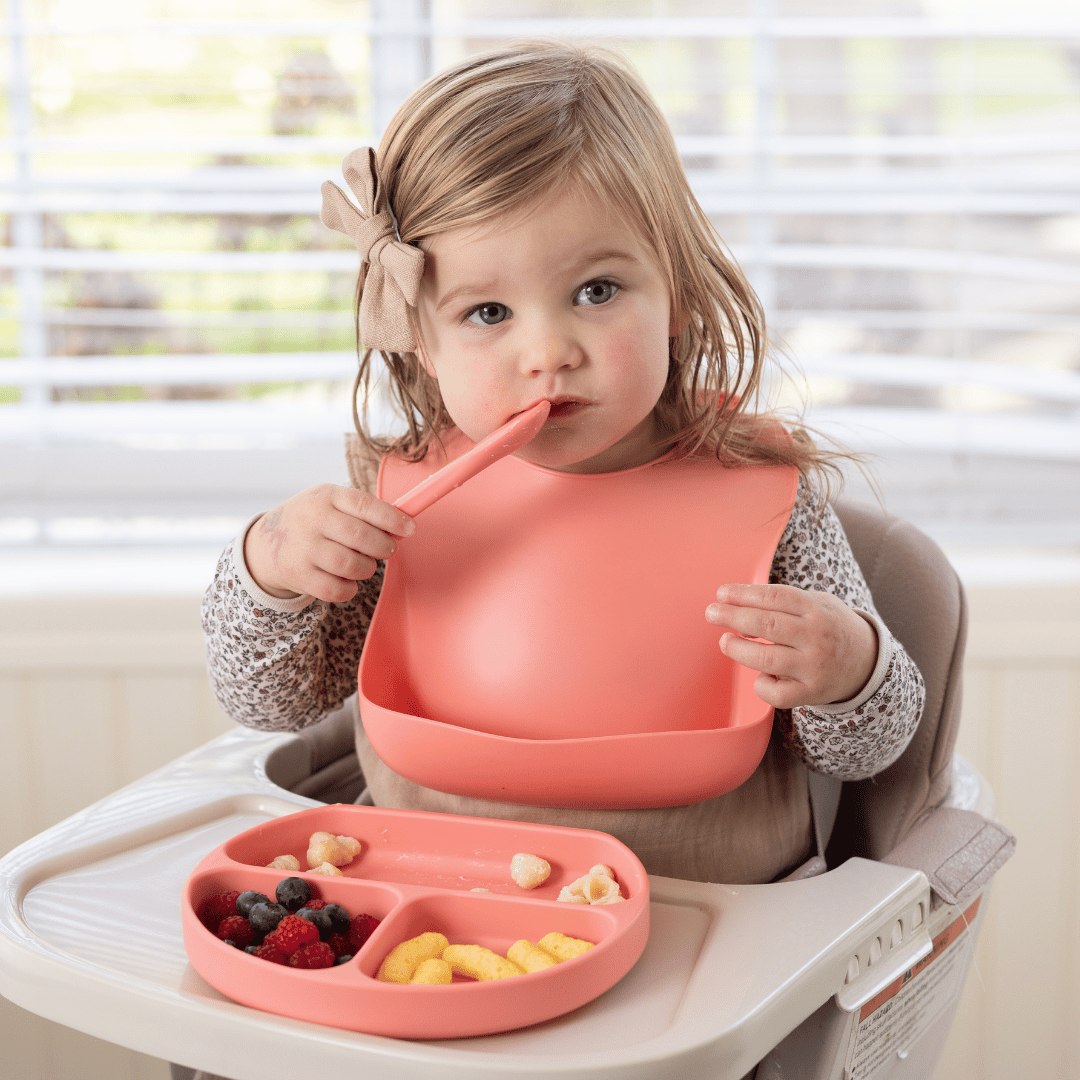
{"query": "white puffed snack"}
[(285, 862), (327, 868), (324, 847), (606, 871), (591, 889), (529, 871)]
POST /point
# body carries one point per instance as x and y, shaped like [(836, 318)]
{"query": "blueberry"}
[(247, 900), (293, 893), (339, 918), (342, 960), (265, 917), (251, 948), (320, 919)]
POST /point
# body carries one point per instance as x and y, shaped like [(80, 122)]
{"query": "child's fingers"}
[(785, 598), (384, 516), (358, 536), (778, 660), (329, 587), (779, 693), (778, 683), (757, 622), (343, 561)]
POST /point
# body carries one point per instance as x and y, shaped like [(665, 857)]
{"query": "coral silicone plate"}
[(415, 873)]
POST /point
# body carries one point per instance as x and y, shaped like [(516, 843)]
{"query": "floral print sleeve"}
[(277, 664), (854, 739)]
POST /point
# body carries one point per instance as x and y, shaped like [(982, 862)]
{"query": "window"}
[(901, 181)]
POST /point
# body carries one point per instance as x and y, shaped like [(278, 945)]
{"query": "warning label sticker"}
[(894, 1020)]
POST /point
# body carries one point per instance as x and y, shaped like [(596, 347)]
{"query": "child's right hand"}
[(322, 542)]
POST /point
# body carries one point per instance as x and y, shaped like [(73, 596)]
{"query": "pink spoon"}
[(513, 435)]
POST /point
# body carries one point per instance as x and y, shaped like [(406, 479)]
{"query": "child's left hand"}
[(821, 651)]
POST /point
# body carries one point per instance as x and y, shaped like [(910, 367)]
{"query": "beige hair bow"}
[(391, 269)]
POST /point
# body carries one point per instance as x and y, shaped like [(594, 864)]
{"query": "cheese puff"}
[(529, 957), (403, 960), (329, 869), (602, 870), (592, 889), (434, 972), (480, 963), (285, 862), (529, 871), (562, 947), (324, 847)]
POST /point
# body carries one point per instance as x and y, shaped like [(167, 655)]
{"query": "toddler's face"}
[(566, 304)]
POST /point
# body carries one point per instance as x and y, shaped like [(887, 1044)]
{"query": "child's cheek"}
[(476, 405), (637, 367)]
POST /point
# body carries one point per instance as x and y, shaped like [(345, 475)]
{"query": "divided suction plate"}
[(415, 873)]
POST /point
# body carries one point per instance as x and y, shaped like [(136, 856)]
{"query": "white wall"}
[(95, 693)]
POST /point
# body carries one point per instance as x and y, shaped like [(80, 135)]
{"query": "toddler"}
[(527, 232)]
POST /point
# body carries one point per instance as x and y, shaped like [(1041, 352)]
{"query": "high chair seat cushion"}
[(919, 596)]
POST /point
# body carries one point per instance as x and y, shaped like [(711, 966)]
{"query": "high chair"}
[(854, 972)]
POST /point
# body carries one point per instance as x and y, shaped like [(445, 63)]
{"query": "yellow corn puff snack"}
[(529, 957), (432, 972), (404, 959), (480, 963), (562, 947)]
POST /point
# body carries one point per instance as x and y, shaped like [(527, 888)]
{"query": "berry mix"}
[(295, 928)]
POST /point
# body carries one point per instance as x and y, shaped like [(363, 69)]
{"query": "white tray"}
[(90, 937)]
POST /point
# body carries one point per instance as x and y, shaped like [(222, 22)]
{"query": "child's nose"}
[(549, 352)]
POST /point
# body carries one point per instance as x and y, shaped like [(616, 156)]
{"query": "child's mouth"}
[(561, 409)]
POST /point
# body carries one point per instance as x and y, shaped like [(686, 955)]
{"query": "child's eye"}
[(488, 314), (596, 292)]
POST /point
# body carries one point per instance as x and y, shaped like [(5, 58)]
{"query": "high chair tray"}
[(91, 916), (417, 872)]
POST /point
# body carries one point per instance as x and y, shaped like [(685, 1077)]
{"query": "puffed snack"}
[(324, 847), (529, 871), (433, 972), (562, 947), (285, 862), (529, 957), (327, 868), (592, 888), (402, 961), (480, 963)]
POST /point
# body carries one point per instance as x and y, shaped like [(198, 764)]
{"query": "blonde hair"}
[(503, 129)]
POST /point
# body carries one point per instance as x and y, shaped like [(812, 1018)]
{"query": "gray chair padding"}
[(921, 600)]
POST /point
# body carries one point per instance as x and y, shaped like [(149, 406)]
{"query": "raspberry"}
[(291, 933), (360, 929), (319, 918), (214, 908), (318, 955), (237, 929), (340, 944), (266, 951), (315, 905)]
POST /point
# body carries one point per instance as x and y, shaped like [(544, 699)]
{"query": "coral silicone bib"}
[(538, 619)]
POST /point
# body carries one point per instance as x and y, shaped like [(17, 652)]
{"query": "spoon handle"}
[(513, 435)]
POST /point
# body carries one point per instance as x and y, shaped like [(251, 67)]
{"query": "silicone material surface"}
[(513, 435), (416, 873), (542, 640)]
